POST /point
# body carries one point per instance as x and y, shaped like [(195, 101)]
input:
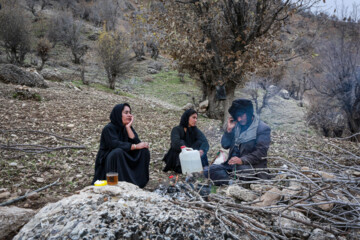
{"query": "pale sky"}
[(330, 5)]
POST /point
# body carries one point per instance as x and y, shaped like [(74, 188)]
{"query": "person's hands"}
[(142, 145), (201, 153), (230, 124), (130, 123), (235, 160)]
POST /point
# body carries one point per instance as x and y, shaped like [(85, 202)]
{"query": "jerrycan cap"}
[(182, 147)]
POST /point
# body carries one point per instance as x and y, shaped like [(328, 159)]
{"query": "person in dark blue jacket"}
[(186, 134), (121, 150), (248, 139)]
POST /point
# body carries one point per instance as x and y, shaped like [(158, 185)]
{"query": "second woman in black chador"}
[(186, 134), (121, 150)]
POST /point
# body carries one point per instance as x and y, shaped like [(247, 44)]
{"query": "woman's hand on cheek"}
[(131, 121)]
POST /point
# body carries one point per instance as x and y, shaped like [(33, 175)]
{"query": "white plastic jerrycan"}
[(190, 160)]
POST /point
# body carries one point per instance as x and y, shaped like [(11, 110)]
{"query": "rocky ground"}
[(50, 134), (71, 118)]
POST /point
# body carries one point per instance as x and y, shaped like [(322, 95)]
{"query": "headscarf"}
[(184, 121), (190, 136), (241, 106), (116, 114), (248, 131)]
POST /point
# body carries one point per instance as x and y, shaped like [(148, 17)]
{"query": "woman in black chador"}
[(121, 150), (186, 134)]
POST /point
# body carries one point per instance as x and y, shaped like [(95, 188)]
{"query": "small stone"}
[(33, 196), (13, 164), (326, 175), (40, 180), (4, 195), (269, 198), (168, 231)]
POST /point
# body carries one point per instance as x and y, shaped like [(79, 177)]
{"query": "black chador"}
[(115, 154), (192, 138)]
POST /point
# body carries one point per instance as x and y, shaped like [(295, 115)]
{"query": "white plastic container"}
[(190, 160)]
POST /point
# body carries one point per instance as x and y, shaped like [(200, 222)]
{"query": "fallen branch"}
[(37, 131), (25, 196), (36, 149), (33, 148)]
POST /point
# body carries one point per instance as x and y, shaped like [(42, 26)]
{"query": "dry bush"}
[(327, 118), (113, 49), (15, 36), (43, 49)]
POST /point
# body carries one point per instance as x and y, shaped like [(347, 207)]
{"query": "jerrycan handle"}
[(184, 148)]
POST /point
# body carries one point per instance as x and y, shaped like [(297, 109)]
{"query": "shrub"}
[(15, 33), (113, 49), (43, 48)]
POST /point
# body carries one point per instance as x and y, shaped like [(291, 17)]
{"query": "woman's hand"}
[(201, 153), (130, 123), (235, 160), (230, 124), (140, 146)]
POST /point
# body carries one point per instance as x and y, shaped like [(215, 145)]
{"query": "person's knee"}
[(145, 152), (115, 152), (204, 160), (218, 174)]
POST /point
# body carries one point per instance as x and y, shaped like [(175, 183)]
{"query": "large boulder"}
[(123, 211), (12, 219), (203, 106), (284, 94), (188, 106), (13, 74), (156, 65), (273, 90), (52, 75)]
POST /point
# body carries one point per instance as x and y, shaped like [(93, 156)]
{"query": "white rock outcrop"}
[(119, 212)]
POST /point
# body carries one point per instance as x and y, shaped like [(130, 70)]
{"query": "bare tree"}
[(65, 4), (299, 81), (15, 34), (73, 40), (30, 5), (153, 46), (138, 48), (113, 49), (105, 12), (63, 28), (265, 81), (59, 26), (44, 4), (43, 49), (219, 42), (340, 61)]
